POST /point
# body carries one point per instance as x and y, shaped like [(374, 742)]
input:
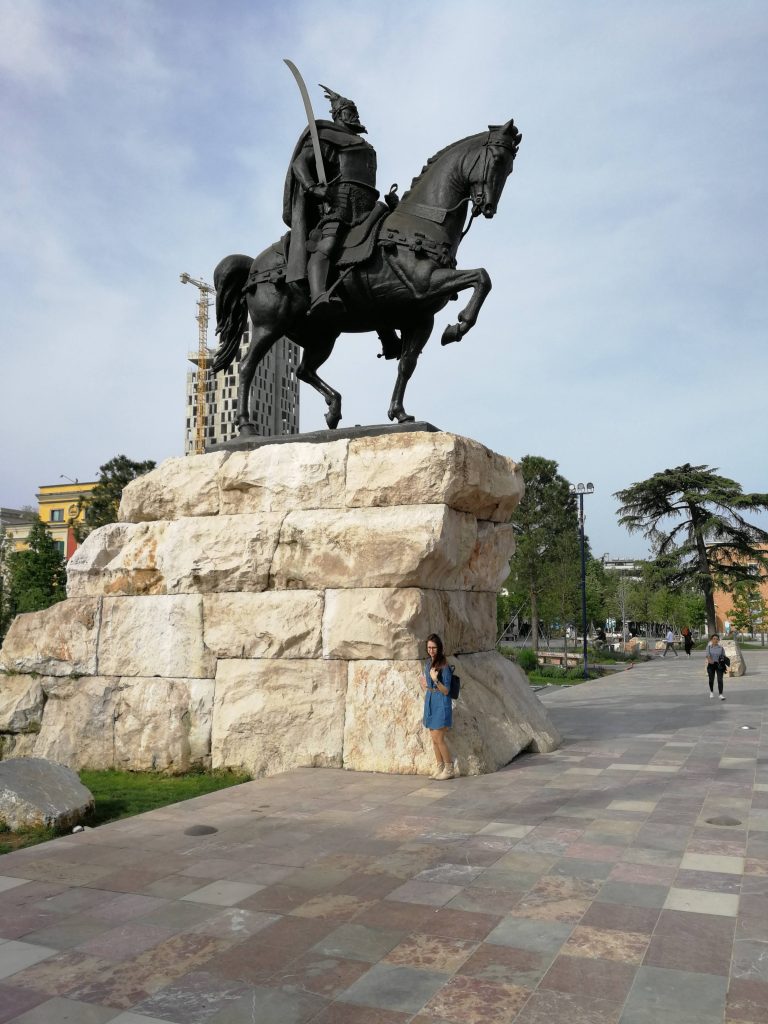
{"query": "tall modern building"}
[(274, 399)]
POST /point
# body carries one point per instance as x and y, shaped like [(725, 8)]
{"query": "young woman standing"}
[(715, 665), (438, 707)]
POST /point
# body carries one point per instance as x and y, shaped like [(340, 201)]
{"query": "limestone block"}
[(219, 553), (21, 703), (17, 744), (154, 636), (120, 558), (382, 726), (425, 546), (78, 727), (430, 468), (496, 717), (275, 624), (186, 486), (202, 554), (163, 724), (36, 792), (273, 715), (284, 477), (393, 623), (488, 564), (738, 666), (61, 640)]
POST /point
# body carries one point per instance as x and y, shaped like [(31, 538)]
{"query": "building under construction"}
[(274, 398)]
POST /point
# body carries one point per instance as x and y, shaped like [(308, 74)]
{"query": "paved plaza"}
[(623, 878)]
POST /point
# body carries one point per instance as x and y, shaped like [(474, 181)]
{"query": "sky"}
[(626, 329)]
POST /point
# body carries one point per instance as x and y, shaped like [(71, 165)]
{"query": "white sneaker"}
[(446, 773), (711, 695), (722, 697)]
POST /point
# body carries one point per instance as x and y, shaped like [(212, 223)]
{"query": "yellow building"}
[(60, 507), (16, 524)]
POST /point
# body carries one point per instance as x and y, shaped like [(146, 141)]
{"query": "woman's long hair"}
[(439, 659)]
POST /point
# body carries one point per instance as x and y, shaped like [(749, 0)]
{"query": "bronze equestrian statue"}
[(353, 264)]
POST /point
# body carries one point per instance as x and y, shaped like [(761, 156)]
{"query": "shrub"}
[(526, 659)]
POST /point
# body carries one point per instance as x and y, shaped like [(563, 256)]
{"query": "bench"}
[(559, 658)]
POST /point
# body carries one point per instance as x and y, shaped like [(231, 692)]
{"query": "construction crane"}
[(200, 358)]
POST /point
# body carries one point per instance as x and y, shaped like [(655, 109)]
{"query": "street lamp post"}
[(580, 490)]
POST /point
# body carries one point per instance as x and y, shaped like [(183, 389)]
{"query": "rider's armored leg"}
[(319, 265)]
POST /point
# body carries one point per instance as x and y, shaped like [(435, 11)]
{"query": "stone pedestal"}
[(268, 609)]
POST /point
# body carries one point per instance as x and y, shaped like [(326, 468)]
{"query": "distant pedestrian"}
[(687, 640), (715, 665), (438, 707), (670, 642)]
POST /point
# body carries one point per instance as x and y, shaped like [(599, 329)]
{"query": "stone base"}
[(267, 609)]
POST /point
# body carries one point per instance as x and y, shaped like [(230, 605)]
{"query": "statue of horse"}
[(409, 276)]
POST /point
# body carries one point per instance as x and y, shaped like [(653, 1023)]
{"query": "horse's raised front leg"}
[(315, 354), (415, 337), (447, 282)]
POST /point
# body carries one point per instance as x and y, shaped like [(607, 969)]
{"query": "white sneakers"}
[(722, 697)]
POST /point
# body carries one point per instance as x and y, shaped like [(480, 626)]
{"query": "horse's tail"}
[(229, 280)]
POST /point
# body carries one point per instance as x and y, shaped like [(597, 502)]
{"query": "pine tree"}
[(38, 576), (695, 522), (101, 506)]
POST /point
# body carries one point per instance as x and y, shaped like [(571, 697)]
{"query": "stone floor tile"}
[(126, 941), (698, 901), (750, 958), (675, 997), (391, 987), (314, 972), (431, 952), (602, 979), (15, 1001), (358, 942), (223, 893), (502, 828), (66, 933), (523, 967), (9, 882), (706, 862), (699, 943), (193, 999), (348, 1013), (633, 894), (476, 900), (537, 936), (606, 944), (477, 1001), (59, 974), (66, 1011), (747, 1001), (459, 924), (621, 917), (433, 894), (708, 880), (128, 1017), (271, 1006), (550, 1006), (15, 956)]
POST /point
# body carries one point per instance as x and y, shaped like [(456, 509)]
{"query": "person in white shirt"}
[(670, 642)]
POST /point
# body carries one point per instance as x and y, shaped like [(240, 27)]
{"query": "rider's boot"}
[(317, 275)]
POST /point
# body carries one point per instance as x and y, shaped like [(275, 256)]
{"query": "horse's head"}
[(492, 166)]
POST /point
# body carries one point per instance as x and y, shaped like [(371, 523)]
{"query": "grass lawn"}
[(122, 794)]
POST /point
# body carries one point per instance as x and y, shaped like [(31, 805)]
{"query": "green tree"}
[(101, 506), (695, 522), (546, 528), (749, 609), (38, 576)]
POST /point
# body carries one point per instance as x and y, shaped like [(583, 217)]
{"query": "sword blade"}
[(311, 119)]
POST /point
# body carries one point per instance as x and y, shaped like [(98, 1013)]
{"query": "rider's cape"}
[(295, 207)]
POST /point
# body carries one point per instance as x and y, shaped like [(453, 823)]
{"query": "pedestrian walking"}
[(687, 640), (670, 642), (716, 665), (438, 706)]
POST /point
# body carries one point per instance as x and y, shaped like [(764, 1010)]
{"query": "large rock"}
[(496, 717), (38, 792), (154, 636), (738, 666), (275, 624), (61, 640), (187, 486), (78, 727), (431, 468), (194, 555), (21, 704), (163, 724), (279, 477), (272, 715), (392, 623)]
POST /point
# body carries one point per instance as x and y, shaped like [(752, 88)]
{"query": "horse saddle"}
[(360, 240)]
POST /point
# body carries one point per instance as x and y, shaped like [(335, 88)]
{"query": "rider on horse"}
[(319, 215)]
